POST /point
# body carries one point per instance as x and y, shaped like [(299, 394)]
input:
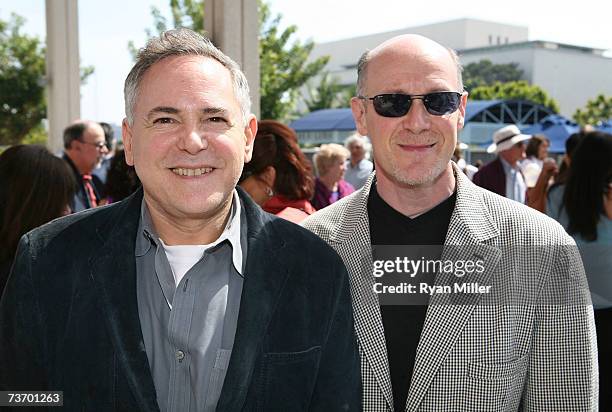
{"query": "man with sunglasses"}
[(84, 148), (515, 332)]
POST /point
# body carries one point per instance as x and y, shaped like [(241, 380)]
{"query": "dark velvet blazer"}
[(492, 177), (69, 318)]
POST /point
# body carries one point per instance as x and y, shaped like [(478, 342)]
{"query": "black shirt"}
[(403, 323)]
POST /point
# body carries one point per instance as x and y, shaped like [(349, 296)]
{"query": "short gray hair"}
[(182, 42), (362, 65), (357, 138)]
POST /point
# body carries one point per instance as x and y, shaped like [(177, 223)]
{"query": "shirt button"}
[(180, 355)]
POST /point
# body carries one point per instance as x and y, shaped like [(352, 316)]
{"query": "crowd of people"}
[(184, 294), (280, 178)]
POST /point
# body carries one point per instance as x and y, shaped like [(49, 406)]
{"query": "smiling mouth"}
[(182, 171), (417, 147)]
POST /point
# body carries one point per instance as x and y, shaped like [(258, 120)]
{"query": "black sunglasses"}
[(398, 104)]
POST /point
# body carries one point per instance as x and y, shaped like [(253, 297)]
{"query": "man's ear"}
[(128, 147), (358, 106), (250, 131)]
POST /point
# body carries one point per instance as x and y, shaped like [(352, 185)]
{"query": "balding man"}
[(463, 300), (84, 147)]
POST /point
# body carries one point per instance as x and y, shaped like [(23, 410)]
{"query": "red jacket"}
[(292, 210)]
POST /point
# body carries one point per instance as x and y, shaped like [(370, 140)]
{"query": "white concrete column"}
[(63, 75), (233, 26)]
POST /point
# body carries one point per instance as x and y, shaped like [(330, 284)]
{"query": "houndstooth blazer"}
[(536, 351)]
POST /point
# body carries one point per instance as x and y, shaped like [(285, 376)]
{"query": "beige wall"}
[(63, 75)]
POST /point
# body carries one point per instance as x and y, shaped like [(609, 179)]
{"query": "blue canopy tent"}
[(605, 126), (476, 107), (556, 128), (327, 119)]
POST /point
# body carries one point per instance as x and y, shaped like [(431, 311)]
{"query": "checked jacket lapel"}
[(353, 244), (469, 230), (447, 315)]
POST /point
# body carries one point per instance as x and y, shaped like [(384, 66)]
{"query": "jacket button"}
[(180, 355)]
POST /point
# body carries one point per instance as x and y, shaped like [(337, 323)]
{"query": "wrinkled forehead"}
[(186, 81), (413, 60), (187, 70)]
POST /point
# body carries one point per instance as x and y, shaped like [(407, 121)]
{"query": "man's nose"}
[(193, 140), (417, 119)]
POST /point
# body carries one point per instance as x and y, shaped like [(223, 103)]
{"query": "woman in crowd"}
[(538, 170), (330, 186), (121, 179), (279, 177), (35, 188), (584, 207), (536, 152), (570, 144)]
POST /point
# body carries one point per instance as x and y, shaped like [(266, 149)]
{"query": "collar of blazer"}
[(471, 213), (471, 225), (113, 272)]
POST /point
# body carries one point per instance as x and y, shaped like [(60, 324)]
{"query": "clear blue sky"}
[(107, 26)]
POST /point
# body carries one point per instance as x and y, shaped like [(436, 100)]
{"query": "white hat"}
[(506, 137)]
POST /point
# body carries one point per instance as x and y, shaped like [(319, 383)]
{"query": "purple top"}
[(324, 197)]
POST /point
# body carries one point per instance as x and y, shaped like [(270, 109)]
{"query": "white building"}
[(570, 74)]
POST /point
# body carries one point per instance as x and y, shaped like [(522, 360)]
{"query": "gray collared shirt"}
[(358, 175), (515, 184), (189, 329)]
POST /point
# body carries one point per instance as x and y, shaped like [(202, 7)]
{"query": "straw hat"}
[(506, 137)]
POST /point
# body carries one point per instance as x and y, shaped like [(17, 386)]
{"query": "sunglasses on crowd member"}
[(398, 104)]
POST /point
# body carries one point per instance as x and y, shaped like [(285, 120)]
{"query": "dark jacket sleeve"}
[(492, 177), (21, 328), (338, 386)]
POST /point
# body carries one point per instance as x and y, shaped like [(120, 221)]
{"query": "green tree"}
[(485, 73), (185, 13), (328, 94), (284, 65), (515, 90), (22, 74), (22, 71), (596, 110)]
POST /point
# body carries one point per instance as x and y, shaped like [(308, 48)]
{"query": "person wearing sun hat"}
[(503, 175)]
